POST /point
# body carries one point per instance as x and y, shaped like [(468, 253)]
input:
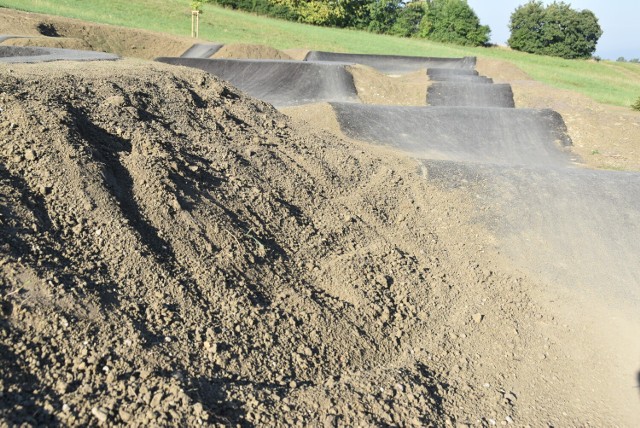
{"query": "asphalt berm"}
[(463, 94), (13, 54), (281, 83), (465, 134), (393, 64)]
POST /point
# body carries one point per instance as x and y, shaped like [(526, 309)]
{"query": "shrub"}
[(636, 106)]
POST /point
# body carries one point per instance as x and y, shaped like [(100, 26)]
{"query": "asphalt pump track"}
[(17, 54), (470, 131), (281, 83), (573, 228)]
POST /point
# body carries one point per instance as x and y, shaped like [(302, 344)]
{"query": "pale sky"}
[(619, 20)]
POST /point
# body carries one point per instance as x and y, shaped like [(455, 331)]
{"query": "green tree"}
[(453, 21), (555, 30), (382, 15), (408, 21)]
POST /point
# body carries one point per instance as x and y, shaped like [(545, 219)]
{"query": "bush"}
[(453, 21), (636, 106), (555, 30)]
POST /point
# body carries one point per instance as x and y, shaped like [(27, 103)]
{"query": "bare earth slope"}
[(173, 252), (58, 32)]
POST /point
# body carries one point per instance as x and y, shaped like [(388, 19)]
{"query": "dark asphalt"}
[(281, 83), (15, 54), (394, 64)]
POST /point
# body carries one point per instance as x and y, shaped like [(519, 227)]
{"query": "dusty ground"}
[(250, 51), (173, 252)]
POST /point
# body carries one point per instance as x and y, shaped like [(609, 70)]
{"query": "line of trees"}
[(555, 30), (449, 21)]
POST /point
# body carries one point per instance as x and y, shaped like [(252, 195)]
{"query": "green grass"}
[(607, 82)]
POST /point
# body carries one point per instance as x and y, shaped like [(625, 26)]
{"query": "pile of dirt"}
[(173, 252), (244, 51), (500, 71), (374, 87), (58, 32)]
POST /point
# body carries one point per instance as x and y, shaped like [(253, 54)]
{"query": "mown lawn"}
[(607, 82)]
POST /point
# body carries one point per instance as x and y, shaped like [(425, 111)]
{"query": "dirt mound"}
[(375, 87), (175, 253), (243, 51), (500, 71), (75, 34)]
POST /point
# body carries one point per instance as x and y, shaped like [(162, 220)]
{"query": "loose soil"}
[(242, 51), (173, 252)]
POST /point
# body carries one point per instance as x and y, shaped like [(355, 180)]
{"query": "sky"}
[(619, 20)]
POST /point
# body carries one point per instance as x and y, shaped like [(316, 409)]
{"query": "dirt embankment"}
[(173, 252), (58, 32)]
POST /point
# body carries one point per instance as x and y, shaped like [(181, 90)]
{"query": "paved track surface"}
[(393, 64), (15, 54), (574, 228), (435, 72), (201, 50), (466, 134), (281, 83), (454, 75), (465, 94)]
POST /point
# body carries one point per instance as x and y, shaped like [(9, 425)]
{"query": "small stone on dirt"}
[(100, 414)]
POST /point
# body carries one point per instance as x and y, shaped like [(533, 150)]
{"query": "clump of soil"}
[(175, 253), (244, 51), (58, 32)]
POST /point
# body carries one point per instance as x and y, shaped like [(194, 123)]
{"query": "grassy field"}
[(607, 82)]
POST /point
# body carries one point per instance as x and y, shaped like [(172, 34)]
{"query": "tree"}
[(453, 21), (555, 30), (382, 15), (408, 22)]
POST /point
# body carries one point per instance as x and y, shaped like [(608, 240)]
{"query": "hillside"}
[(606, 82)]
